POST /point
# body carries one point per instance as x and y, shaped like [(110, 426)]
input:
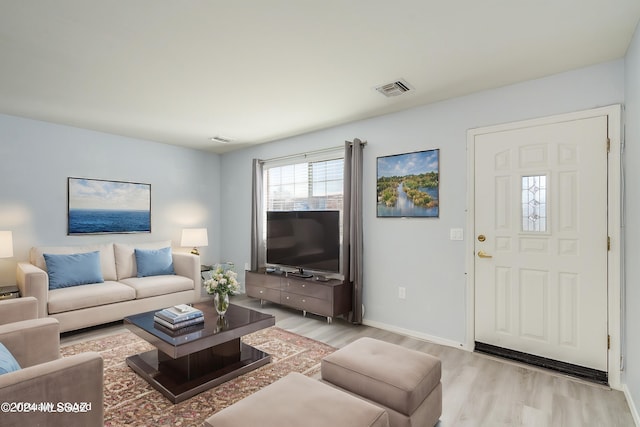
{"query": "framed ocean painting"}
[(98, 206), (408, 185)]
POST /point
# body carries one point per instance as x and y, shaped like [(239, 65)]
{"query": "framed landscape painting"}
[(98, 206), (408, 185)]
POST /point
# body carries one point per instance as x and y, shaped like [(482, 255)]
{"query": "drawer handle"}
[(304, 285), (287, 297), (262, 292), (304, 300)]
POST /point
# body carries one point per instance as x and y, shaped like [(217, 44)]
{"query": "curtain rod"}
[(309, 153)]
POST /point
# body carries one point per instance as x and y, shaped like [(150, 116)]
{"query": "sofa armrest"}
[(187, 265), (32, 341), (18, 309), (76, 379), (33, 282)]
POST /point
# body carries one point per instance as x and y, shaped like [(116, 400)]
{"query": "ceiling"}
[(253, 71)]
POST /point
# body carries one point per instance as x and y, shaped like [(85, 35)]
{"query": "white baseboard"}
[(632, 406), (414, 334)]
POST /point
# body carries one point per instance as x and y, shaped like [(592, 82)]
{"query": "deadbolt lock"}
[(481, 238)]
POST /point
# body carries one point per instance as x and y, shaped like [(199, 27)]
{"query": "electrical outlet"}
[(402, 292)]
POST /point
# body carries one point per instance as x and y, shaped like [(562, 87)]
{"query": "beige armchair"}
[(49, 390)]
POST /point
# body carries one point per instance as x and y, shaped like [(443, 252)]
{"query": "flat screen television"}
[(306, 240)]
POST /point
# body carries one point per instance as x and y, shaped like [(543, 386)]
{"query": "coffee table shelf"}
[(183, 365)]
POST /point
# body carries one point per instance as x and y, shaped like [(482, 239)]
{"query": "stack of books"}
[(182, 332), (178, 316)]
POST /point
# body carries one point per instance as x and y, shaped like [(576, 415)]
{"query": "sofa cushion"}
[(151, 286), (8, 363), (154, 262), (85, 296), (107, 258), (297, 400), (73, 269), (125, 259), (394, 376)]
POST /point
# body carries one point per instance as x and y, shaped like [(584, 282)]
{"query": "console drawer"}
[(310, 304), (266, 294), (262, 280), (311, 289)]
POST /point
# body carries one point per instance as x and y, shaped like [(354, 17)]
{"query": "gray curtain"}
[(352, 223), (256, 214)]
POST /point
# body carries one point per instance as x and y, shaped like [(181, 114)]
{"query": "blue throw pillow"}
[(7, 362), (154, 262), (73, 269)]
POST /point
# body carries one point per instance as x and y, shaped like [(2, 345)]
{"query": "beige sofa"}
[(45, 377), (121, 294)]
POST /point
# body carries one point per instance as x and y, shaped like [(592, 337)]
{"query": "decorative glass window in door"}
[(534, 203)]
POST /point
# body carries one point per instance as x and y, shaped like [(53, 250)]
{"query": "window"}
[(312, 182), (310, 185), (534, 203)]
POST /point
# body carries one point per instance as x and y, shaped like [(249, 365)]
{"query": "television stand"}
[(301, 274), (328, 298)]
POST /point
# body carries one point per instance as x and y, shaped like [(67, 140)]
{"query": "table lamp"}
[(194, 237), (6, 244)]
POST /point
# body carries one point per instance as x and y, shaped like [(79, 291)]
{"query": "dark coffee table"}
[(198, 358)]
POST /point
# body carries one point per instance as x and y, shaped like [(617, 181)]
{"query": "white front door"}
[(541, 240)]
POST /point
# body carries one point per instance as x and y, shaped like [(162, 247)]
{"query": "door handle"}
[(483, 254)]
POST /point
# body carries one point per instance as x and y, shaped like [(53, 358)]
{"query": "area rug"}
[(131, 401)]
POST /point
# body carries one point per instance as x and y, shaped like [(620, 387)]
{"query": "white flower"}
[(223, 281)]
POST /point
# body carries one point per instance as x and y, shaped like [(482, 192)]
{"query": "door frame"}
[(614, 223)]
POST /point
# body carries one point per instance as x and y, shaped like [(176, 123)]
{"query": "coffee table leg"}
[(202, 362), (182, 378)]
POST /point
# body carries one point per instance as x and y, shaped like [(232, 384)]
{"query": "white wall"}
[(631, 375), (37, 157), (417, 253)]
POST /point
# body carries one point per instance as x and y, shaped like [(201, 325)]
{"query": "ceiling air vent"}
[(394, 89), (220, 139)]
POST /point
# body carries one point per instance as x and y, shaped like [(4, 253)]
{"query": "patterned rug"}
[(131, 401)]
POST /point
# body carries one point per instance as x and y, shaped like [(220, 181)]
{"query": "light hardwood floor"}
[(478, 390)]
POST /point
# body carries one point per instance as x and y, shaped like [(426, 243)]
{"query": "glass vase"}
[(221, 303)]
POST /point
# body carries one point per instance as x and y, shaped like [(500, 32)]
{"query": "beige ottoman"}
[(404, 382), (297, 400)]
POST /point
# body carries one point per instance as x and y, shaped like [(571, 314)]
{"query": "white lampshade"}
[(6, 244), (194, 237)]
